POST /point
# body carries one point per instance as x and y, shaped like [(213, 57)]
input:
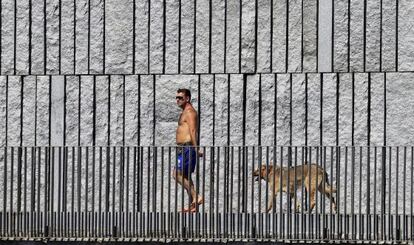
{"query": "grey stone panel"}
[(171, 37), (298, 109), (42, 111), (206, 110), (248, 59), (325, 43), (283, 109), (340, 53), (233, 35), (22, 40), (72, 110), (7, 37), (156, 37), (187, 36), (377, 109), (86, 111), (118, 36), (264, 36), (295, 36), (268, 109), (329, 82), (29, 110), (357, 34), (279, 36), (14, 110), (68, 38), (236, 109), (389, 32), (81, 38), (405, 35), (361, 109), (116, 111), (96, 37), (345, 109), (373, 35), (399, 108), (252, 112), (222, 110), (310, 35), (57, 110), (3, 111), (217, 37), (52, 37), (131, 110), (102, 109), (314, 109), (141, 37), (147, 133), (202, 37)]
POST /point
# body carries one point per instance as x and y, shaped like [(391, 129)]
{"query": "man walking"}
[(188, 153)]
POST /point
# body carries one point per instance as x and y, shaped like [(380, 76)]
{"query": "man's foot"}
[(193, 206)]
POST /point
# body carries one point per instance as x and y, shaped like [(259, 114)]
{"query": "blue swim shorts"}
[(186, 160)]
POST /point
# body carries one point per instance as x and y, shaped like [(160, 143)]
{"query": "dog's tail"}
[(328, 188)]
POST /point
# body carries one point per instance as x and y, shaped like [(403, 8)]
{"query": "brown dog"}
[(312, 176)]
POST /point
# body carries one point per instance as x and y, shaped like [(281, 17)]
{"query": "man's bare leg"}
[(189, 187)]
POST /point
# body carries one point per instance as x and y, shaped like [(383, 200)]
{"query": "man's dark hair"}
[(185, 91)]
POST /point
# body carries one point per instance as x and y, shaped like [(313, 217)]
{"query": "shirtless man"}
[(188, 153)]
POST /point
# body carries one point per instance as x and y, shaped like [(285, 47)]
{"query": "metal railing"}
[(129, 192)]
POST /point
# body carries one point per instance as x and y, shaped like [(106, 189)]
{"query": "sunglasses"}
[(179, 97)]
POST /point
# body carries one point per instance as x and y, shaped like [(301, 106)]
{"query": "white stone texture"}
[(248, 47), (22, 40), (68, 38), (86, 110), (96, 37), (187, 36), (52, 37), (405, 35), (357, 36), (345, 109), (295, 36), (202, 36), (156, 37), (72, 110), (233, 35), (57, 111), (373, 36), (340, 38), (325, 19), (268, 109), (389, 38), (81, 36), (314, 109), (3, 111), (118, 36), (221, 109), (29, 110), (263, 34), (7, 37), (399, 109), (361, 109), (283, 109), (377, 109), (217, 37), (279, 36), (309, 35), (207, 110), (141, 37), (116, 110), (252, 112), (14, 110), (329, 82), (102, 110), (171, 37), (298, 109), (42, 111), (131, 110), (236, 109)]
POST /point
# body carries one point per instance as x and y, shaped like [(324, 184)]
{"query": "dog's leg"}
[(270, 201)]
